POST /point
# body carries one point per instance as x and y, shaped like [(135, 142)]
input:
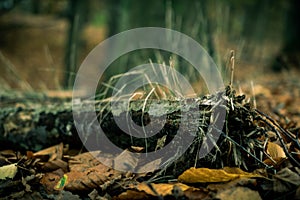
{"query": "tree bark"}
[(40, 122)]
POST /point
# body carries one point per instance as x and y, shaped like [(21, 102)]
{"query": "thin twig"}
[(232, 62), (55, 72), (240, 146), (253, 94), (274, 127), (142, 117), (154, 191), (10, 66), (280, 128)]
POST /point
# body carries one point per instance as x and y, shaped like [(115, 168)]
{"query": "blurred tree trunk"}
[(290, 53), (77, 16), (114, 17), (35, 6), (254, 29), (209, 29)]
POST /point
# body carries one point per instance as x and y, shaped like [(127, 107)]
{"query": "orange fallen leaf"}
[(275, 151), (276, 155), (275, 162), (134, 195), (197, 193), (54, 152), (238, 193), (51, 179), (204, 175), (99, 176), (162, 189)]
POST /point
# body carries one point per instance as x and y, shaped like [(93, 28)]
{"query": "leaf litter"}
[(256, 156)]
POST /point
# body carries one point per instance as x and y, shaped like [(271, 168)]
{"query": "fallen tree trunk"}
[(36, 123), (33, 121)]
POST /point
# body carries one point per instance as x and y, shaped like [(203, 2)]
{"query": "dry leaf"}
[(285, 180), (275, 151), (277, 155), (259, 89), (236, 170), (197, 193), (8, 171), (9, 154), (137, 149), (54, 152), (149, 166), (83, 161), (126, 161), (50, 180), (87, 172), (161, 189), (246, 182), (238, 193), (174, 190), (276, 162), (55, 164), (204, 175), (99, 176), (134, 195)]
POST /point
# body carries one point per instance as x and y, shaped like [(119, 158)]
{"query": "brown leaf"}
[(161, 189), (285, 180), (275, 151), (234, 183), (196, 193), (87, 172), (83, 161), (259, 89), (134, 195), (78, 181), (126, 161), (30, 155), (99, 176), (275, 162), (9, 154), (50, 180), (94, 195), (137, 149), (204, 175), (277, 155), (54, 152), (238, 193), (149, 166), (176, 190), (55, 164)]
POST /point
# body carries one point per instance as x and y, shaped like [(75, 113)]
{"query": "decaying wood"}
[(35, 123)]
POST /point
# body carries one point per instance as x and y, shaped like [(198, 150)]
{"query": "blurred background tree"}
[(289, 56), (259, 31)]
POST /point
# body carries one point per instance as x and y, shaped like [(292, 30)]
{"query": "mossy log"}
[(33, 122), (38, 122)]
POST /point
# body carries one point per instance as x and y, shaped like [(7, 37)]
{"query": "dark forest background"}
[(43, 42)]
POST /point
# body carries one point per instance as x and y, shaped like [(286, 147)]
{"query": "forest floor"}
[(56, 172)]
